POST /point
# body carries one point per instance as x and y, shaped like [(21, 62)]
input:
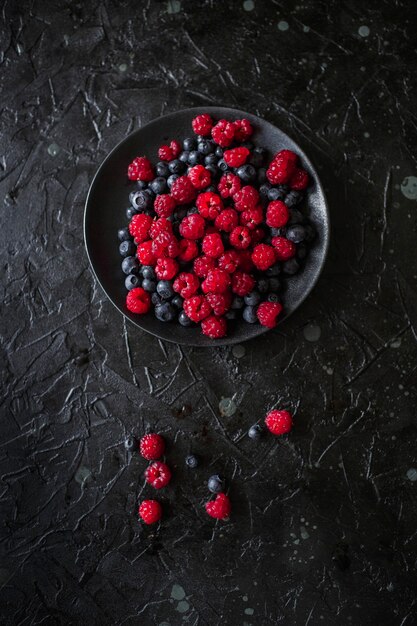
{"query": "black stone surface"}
[(323, 529)]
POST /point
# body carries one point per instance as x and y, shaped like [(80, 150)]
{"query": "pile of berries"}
[(211, 228)]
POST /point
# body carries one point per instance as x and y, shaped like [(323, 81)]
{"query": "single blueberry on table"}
[(290, 267), (131, 443), (183, 319), (191, 461), (127, 248), (176, 166), (189, 143), (130, 265), (159, 185), (246, 173), (148, 285), (253, 298), (249, 314), (132, 281), (296, 233), (171, 180), (147, 271), (165, 289), (216, 484), (165, 312), (123, 234), (162, 169), (255, 432)]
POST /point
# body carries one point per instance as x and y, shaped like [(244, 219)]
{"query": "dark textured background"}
[(323, 529)]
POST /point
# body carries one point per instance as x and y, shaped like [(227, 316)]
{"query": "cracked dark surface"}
[(77, 379)]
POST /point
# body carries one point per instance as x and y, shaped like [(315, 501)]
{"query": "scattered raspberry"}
[(246, 198), (242, 283), (245, 260), (186, 284), (252, 218), (159, 226), (217, 281), (139, 227), (236, 156), (150, 511), (299, 180), (227, 220), (152, 446), (219, 302), (279, 422), (229, 261), (166, 268), (223, 133), (193, 226), (176, 147), (220, 508), (188, 250), (202, 266), (165, 153), (145, 254), (284, 248), (286, 155), (243, 129), (280, 171), (214, 327), (197, 308), (138, 301), (268, 312), (140, 169), (209, 205), (212, 245), (240, 237), (263, 256), (199, 176), (158, 475), (202, 124), (229, 184), (277, 214), (183, 190), (258, 235), (164, 205), (165, 244)]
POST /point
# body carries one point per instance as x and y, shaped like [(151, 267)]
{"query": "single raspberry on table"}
[(243, 129), (199, 176), (252, 217), (245, 260), (138, 301), (279, 422), (150, 511), (183, 190), (236, 156), (158, 475), (212, 245), (246, 198), (240, 237), (284, 248), (277, 214), (242, 283), (197, 308), (176, 147), (145, 253), (299, 180), (186, 284), (280, 171), (209, 205), (229, 184), (202, 265), (217, 281), (188, 250), (268, 312), (159, 226), (152, 446), (141, 169), (193, 226), (166, 268), (139, 227), (220, 508), (223, 133), (263, 256), (165, 244), (226, 220), (219, 302), (164, 205), (229, 261), (214, 327), (202, 124), (165, 153)]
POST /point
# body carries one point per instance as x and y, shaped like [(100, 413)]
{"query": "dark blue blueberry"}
[(246, 173), (272, 297), (191, 461), (151, 195), (255, 432), (216, 484), (181, 213), (171, 180), (184, 320), (148, 285), (205, 146), (192, 210), (263, 285), (214, 170), (141, 184), (293, 198), (257, 158), (131, 444), (277, 232), (249, 314), (302, 251), (274, 285), (237, 302), (159, 185), (310, 232), (264, 190), (141, 200), (130, 265), (231, 314), (132, 281), (274, 270), (165, 290), (177, 301), (127, 248), (211, 188), (184, 156), (165, 312), (218, 152), (253, 298), (261, 175), (130, 212), (162, 169), (123, 234), (176, 166), (290, 267), (222, 165), (189, 143), (296, 217), (210, 159), (156, 299), (275, 194), (296, 233), (148, 272), (194, 158)]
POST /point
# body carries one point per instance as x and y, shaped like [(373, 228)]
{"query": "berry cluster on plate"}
[(213, 228)]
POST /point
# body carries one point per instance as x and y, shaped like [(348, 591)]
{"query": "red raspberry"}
[(219, 302), (279, 422), (252, 217), (240, 237), (202, 124), (223, 133), (159, 226), (236, 156), (212, 245), (186, 284), (242, 283), (145, 254), (209, 205), (280, 171), (139, 227), (284, 248), (227, 220), (257, 235), (263, 256), (286, 155), (217, 281), (165, 244), (158, 475), (150, 511), (220, 508), (229, 184), (229, 261), (243, 129), (197, 308), (299, 180), (246, 198), (138, 301), (268, 312), (188, 250), (176, 147), (193, 226), (182, 190), (214, 327), (202, 266), (199, 176), (165, 153), (164, 205), (245, 260), (140, 169), (277, 214), (151, 446), (166, 268)]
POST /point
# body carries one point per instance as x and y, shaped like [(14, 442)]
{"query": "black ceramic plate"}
[(108, 198)]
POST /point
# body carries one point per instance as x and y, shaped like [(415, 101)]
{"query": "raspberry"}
[(277, 214), (227, 220), (279, 422), (197, 308), (257, 235), (219, 508), (152, 446), (166, 268), (243, 129), (280, 171), (176, 147), (219, 302), (202, 266), (150, 511), (223, 133), (165, 244), (286, 155), (186, 284), (242, 283), (245, 260), (236, 156), (188, 250), (284, 248), (229, 261), (159, 226), (158, 475), (268, 312), (217, 281), (214, 327), (140, 169), (182, 190), (139, 227), (138, 301), (199, 176), (299, 180), (165, 153), (209, 205), (145, 254), (246, 198), (263, 256), (212, 245), (193, 226), (202, 124), (240, 237), (252, 217), (229, 184), (164, 205)]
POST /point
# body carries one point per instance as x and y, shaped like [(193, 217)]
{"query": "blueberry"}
[(246, 173), (302, 251), (296, 233), (191, 461), (237, 303), (218, 152), (263, 285), (272, 297), (181, 213), (274, 270), (222, 165), (210, 159), (293, 197), (194, 158), (171, 180), (261, 175), (255, 432), (231, 314), (165, 312), (177, 301), (124, 234), (165, 290), (192, 211), (141, 200), (216, 484), (176, 166), (130, 212), (148, 285), (253, 298), (296, 217), (264, 189), (183, 319), (159, 185), (211, 188), (127, 248), (162, 169), (276, 232), (249, 314), (274, 285), (130, 265), (189, 143), (205, 146), (214, 170), (310, 232), (131, 444), (148, 272), (156, 299), (141, 184), (132, 281), (275, 194), (290, 267), (184, 156), (257, 157)]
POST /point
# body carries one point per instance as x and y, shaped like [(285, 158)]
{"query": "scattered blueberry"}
[(156, 299), (290, 267), (191, 461), (272, 297), (132, 281), (141, 184), (162, 169), (183, 319), (176, 166), (213, 169), (159, 185), (189, 143), (165, 290), (130, 212), (253, 298), (255, 432), (184, 156), (194, 158), (216, 484), (147, 271), (275, 194), (249, 314), (210, 159), (131, 444), (177, 301), (222, 165), (205, 146), (127, 248), (130, 265), (293, 198), (296, 233), (246, 173), (148, 285), (141, 200), (165, 312), (211, 188), (264, 190), (171, 179), (218, 152), (123, 234)]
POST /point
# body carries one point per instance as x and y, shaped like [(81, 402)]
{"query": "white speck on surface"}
[(238, 351), (174, 6), (409, 187), (245, 598), (183, 606), (363, 31), (366, 134), (396, 343), (306, 29), (19, 48), (296, 542), (249, 5), (315, 527), (53, 149), (249, 611), (227, 407), (123, 67), (312, 332), (304, 533), (412, 474), (82, 475), (283, 25)]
